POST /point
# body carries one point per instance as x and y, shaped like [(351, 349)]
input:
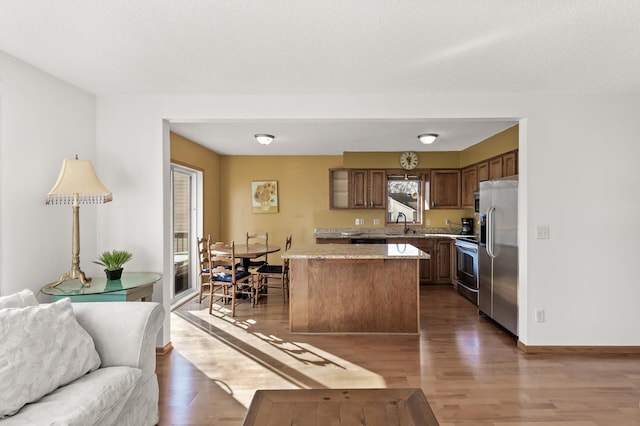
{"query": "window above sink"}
[(405, 196)]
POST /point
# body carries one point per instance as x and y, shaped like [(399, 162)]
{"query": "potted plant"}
[(113, 261)]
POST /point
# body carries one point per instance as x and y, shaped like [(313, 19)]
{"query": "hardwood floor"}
[(470, 371)]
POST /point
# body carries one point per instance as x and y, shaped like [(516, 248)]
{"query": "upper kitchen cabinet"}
[(483, 171), (445, 189), (368, 189), (339, 188), (501, 166), (469, 186), (495, 168), (510, 164)]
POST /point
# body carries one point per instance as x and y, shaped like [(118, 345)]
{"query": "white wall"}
[(42, 121), (578, 158), (578, 176)]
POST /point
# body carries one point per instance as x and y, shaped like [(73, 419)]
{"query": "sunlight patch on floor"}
[(241, 358)]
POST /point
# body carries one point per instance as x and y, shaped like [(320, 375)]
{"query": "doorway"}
[(186, 224)]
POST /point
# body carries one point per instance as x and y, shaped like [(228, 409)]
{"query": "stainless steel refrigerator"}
[(498, 252)]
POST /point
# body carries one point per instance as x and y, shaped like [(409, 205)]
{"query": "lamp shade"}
[(427, 138), (264, 139), (77, 177)]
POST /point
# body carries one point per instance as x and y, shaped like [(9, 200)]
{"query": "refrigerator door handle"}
[(490, 232)]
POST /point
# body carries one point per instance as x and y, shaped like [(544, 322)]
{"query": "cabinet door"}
[(510, 164), (444, 264), (469, 186), (368, 189), (495, 168), (426, 265), (483, 171), (445, 189), (358, 187), (338, 188), (377, 180)]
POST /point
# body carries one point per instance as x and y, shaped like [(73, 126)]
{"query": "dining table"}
[(246, 252)]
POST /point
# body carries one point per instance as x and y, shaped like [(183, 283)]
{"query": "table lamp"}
[(77, 184)]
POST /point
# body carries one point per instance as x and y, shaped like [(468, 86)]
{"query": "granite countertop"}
[(355, 251), (347, 233)]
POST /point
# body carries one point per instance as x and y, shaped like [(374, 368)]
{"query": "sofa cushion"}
[(43, 347), (96, 398), (18, 300)]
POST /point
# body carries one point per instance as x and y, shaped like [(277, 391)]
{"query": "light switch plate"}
[(542, 232)]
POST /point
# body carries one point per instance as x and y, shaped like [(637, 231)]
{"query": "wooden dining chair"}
[(258, 238), (203, 261), (227, 282), (280, 273)]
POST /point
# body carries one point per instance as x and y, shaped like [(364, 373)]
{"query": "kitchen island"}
[(355, 288)]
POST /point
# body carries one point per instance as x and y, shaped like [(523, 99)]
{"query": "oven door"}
[(467, 270)]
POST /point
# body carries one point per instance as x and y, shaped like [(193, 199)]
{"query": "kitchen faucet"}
[(406, 228)]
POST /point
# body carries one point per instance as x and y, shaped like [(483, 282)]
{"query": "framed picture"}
[(264, 196)]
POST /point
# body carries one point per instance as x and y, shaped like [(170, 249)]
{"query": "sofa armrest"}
[(124, 333)]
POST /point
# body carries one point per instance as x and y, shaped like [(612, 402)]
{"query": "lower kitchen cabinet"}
[(426, 265), (444, 260), (439, 268)]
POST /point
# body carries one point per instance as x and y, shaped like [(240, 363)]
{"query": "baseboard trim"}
[(578, 349), (165, 349)]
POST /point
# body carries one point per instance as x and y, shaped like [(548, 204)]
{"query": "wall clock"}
[(409, 160)]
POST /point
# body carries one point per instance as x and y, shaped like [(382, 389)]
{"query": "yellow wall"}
[(505, 141), (391, 160), (303, 196), (190, 154)]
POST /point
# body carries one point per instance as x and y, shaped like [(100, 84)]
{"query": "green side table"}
[(132, 286)]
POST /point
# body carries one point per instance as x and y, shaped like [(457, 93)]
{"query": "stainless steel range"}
[(467, 268)]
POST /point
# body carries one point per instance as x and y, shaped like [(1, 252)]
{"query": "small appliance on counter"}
[(467, 226)]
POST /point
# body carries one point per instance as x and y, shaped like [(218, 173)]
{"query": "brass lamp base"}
[(72, 275)]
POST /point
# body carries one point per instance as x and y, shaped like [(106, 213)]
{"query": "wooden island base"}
[(354, 296)]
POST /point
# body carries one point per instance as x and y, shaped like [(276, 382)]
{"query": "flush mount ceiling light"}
[(264, 139), (427, 138)]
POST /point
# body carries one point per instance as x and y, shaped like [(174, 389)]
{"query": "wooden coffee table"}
[(344, 407)]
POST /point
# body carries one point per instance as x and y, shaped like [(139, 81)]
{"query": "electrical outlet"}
[(361, 221), (376, 221), (427, 222), (447, 222), (539, 315), (357, 221)]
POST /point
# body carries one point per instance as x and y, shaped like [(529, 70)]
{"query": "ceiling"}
[(341, 47), (333, 137)]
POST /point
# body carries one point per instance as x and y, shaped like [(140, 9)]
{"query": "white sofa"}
[(122, 390)]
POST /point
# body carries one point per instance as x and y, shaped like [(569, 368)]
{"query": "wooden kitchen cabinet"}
[(469, 186), (426, 269), (438, 269), (510, 164), (338, 188), (495, 168), (445, 189), (444, 261), (368, 189), (483, 171)]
